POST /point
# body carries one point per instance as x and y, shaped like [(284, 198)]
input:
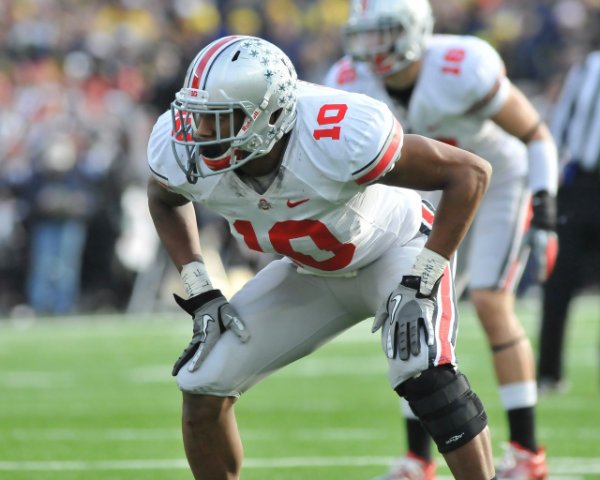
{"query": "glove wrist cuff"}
[(194, 303), (429, 266), (195, 278), (543, 206)]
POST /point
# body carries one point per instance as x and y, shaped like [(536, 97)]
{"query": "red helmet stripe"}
[(206, 57)]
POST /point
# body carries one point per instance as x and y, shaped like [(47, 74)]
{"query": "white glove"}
[(403, 315), (212, 315)]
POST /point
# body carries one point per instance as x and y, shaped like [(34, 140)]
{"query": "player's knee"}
[(444, 402), (490, 303)]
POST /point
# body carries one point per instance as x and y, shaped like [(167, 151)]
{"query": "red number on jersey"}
[(328, 115), (346, 73), (453, 57), (281, 235), (246, 230), (182, 131)]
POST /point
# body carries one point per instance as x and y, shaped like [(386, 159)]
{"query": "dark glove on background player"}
[(212, 315), (541, 238)]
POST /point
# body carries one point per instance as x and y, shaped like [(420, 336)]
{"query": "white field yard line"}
[(162, 434), (559, 467)]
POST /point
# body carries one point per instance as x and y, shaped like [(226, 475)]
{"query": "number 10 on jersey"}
[(330, 114)]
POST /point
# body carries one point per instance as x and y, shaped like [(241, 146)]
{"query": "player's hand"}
[(541, 238), (543, 246), (212, 315), (403, 316)]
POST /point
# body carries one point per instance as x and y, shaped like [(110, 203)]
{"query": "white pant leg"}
[(497, 234), (289, 315)]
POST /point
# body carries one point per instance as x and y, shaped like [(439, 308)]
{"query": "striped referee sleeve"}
[(575, 121)]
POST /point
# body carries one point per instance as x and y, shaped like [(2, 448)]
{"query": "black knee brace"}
[(447, 407)]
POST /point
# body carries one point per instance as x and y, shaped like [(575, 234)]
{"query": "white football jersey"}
[(322, 210), (456, 74)]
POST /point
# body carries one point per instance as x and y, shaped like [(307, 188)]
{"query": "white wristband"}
[(543, 166), (195, 279), (430, 266)]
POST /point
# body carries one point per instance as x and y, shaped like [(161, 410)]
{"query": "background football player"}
[(315, 175), (454, 89)]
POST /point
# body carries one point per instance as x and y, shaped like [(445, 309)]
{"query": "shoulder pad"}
[(459, 71), (160, 154), (341, 73), (349, 136)]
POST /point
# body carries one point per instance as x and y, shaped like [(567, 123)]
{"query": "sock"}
[(419, 441), (521, 423)]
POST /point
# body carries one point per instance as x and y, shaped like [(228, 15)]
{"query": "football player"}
[(454, 89), (323, 178)]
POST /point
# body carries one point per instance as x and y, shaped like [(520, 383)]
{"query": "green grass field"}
[(92, 398)]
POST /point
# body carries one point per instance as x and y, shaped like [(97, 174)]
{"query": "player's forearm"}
[(543, 162), (520, 118), (177, 229), (460, 200)]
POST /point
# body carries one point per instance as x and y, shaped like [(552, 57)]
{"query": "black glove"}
[(403, 315), (544, 211), (541, 238), (212, 315)]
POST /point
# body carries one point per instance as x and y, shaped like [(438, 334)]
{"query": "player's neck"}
[(405, 78)]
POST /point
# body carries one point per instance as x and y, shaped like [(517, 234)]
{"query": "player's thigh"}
[(497, 235), (381, 277), (288, 315)]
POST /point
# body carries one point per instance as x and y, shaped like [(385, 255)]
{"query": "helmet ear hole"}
[(275, 116)]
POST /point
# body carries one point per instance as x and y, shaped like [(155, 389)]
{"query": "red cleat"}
[(522, 464), (411, 467)]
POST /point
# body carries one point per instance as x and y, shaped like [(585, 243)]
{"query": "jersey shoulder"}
[(347, 74), (347, 136), (459, 71), (164, 166), (160, 153)]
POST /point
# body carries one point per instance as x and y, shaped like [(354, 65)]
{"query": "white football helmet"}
[(389, 34), (246, 87)]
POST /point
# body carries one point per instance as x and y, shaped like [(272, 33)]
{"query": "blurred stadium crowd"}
[(82, 81)]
